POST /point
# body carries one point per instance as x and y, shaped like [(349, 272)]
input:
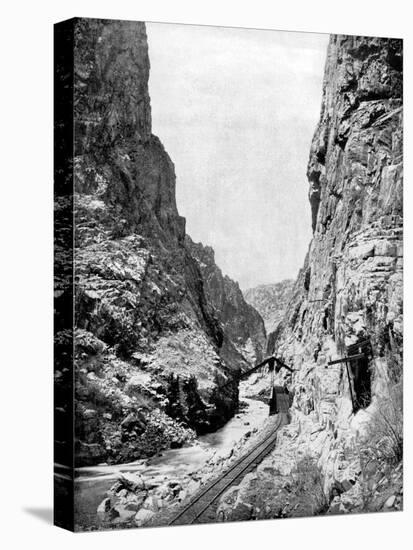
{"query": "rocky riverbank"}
[(150, 492)]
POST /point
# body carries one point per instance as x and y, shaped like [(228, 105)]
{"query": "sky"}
[(236, 110)]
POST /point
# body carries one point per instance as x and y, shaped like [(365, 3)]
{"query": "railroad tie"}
[(206, 498)]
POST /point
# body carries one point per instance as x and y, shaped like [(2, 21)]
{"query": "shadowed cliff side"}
[(153, 355)]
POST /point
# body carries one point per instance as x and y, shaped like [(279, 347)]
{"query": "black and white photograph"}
[(205, 275), (229, 232)]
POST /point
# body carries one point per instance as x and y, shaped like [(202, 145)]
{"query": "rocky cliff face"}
[(350, 287), (155, 356), (271, 301), (244, 329), (348, 296)]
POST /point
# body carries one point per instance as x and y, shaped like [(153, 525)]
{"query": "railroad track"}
[(203, 506)]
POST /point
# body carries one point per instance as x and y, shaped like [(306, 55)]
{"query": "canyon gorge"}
[(162, 336)]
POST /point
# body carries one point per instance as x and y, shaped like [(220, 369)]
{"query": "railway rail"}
[(203, 505)]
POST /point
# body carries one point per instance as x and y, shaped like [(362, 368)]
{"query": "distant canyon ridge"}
[(271, 301)]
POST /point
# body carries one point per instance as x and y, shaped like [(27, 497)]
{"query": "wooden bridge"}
[(202, 508)]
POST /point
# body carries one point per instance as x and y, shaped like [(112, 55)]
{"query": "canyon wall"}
[(271, 301), (350, 288), (156, 359), (348, 298), (244, 328)]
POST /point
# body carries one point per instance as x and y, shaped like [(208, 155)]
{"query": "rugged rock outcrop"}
[(243, 326), (350, 287), (155, 359), (270, 301), (348, 297)]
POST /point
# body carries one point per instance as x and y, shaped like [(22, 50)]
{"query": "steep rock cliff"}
[(270, 301), (151, 350), (350, 287), (348, 298), (244, 330)]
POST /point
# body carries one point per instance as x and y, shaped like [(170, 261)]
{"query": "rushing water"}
[(93, 482)]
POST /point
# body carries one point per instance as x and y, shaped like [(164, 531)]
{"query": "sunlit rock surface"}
[(155, 359), (350, 287), (244, 330), (270, 301)]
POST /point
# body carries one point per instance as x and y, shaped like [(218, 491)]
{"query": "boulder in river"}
[(104, 507), (131, 482), (143, 517), (151, 503), (125, 515), (105, 512)]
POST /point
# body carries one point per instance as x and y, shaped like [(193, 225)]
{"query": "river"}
[(93, 482)]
